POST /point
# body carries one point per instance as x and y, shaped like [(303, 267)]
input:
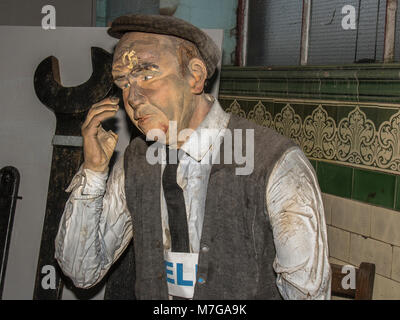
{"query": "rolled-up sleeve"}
[(297, 218), (95, 227)]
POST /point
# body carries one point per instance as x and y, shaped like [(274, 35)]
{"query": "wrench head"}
[(76, 99)]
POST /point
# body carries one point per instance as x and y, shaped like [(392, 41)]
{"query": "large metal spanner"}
[(70, 105)]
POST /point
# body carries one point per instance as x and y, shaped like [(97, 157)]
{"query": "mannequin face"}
[(155, 91)]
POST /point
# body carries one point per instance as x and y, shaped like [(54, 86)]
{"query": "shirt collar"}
[(205, 135)]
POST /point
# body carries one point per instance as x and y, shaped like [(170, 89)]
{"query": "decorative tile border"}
[(342, 140), (335, 132)]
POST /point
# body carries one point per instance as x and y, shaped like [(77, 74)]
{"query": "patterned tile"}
[(330, 131)]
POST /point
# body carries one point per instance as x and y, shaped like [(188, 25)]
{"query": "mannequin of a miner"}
[(250, 234)]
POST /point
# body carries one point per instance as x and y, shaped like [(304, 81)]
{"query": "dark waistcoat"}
[(237, 248)]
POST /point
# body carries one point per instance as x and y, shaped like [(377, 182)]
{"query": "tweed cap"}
[(172, 26)]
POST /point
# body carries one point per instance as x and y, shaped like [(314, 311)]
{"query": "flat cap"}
[(172, 26)]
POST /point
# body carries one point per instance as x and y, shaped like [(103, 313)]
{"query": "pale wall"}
[(27, 127), (358, 232)]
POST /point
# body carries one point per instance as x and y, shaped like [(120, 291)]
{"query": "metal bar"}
[(9, 184), (72, 141), (358, 28), (376, 31), (305, 32), (239, 32), (346, 83), (390, 29), (245, 33), (351, 72)]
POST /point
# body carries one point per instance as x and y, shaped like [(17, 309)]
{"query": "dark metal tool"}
[(9, 184), (70, 105)]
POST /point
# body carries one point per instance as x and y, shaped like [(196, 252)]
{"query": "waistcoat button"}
[(205, 249), (201, 280)]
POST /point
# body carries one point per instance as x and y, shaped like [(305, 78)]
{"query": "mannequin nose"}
[(135, 97)]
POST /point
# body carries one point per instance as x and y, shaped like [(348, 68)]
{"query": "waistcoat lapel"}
[(211, 215), (146, 215)]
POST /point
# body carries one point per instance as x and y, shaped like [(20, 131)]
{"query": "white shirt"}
[(96, 225)]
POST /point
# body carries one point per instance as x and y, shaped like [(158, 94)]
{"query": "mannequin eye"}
[(147, 77)]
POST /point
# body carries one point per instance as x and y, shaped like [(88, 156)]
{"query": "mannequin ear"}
[(197, 75)]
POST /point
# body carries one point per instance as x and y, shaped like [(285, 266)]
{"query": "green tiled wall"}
[(367, 82), (346, 120), (376, 188), (335, 179)]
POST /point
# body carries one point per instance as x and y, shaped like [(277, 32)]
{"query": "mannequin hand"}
[(98, 144)]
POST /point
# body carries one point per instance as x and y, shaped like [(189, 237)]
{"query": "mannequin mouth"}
[(142, 120)]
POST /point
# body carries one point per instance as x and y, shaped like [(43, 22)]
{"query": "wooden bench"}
[(365, 276)]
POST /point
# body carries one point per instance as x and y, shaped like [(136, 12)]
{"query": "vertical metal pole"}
[(239, 32), (305, 32), (245, 31), (376, 30), (358, 28), (390, 29)]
